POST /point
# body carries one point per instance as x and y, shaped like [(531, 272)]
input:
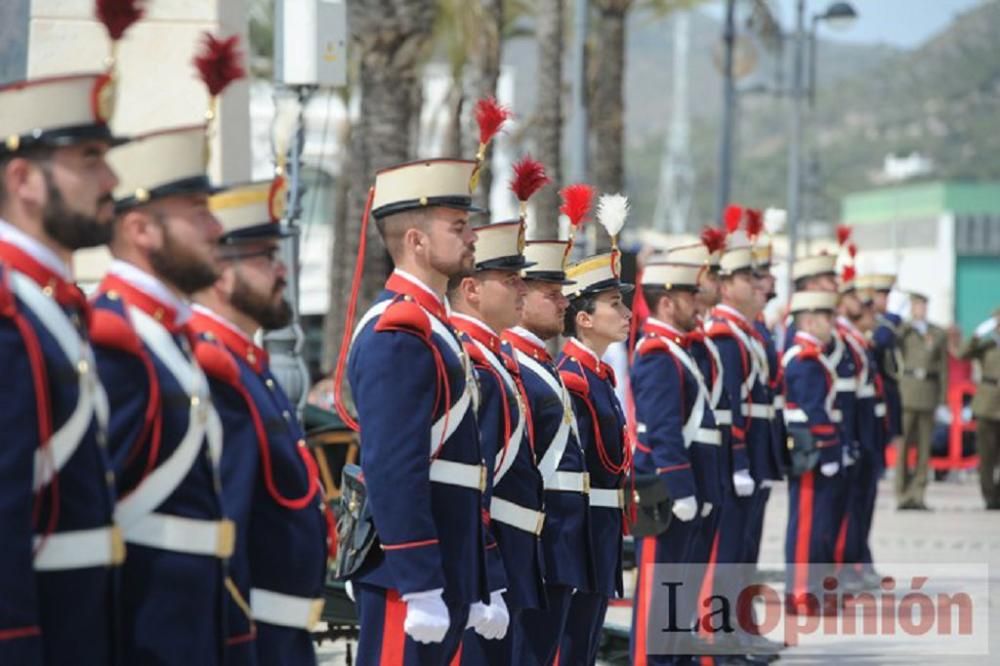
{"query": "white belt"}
[(758, 411), (607, 498), (880, 409), (709, 436), (459, 474), (846, 384), (723, 417), (576, 482), (80, 549), (183, 535), (866, 391), (284, 609), (515, 515), (779, 402), (795, 415)]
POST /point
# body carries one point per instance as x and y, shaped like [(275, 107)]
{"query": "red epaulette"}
[(113, 331), (405, 315), (575, 382), (475, 353), (217, 362), (719, 329), (652, 344), (809, 353)]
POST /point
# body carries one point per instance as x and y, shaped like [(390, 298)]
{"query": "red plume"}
[(755, 222), (847, 275), (117, 15), (490, 116), (732, 216), (529, 177), (843, 233), (218, 62), (852, 250), (713, 239), (577, 200)]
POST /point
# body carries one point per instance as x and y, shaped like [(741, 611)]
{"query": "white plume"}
[(612, 209), (774, 220)]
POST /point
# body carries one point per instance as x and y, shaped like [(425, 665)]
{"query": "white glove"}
[(743, 483), (427, 618), (490, 621), (986, 327), (829, 469), (706, 509), (350, 590), (686, 508)]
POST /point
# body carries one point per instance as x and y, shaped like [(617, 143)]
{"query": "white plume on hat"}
[(774, 220), (612, 209)]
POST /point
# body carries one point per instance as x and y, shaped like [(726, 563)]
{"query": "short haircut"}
[(36, 154), (583, 303), (652, 295), (393, 227)]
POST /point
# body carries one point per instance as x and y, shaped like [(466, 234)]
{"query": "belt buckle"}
[(225, 539), (586, 483), (482, 478), (117, 545), (920, 373), (315, 613), (621, 498), (540, 523)]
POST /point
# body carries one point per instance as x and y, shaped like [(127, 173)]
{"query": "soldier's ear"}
[(24, 181), (584, 320)]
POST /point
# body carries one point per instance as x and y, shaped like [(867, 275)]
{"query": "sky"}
[(901, 23)]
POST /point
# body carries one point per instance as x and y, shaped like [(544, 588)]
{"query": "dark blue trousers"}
[(583, 629), (538, 631), (813, 524), (383, 642)]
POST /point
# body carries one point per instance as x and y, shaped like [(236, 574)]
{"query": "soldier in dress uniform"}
[(416, 394), (59, 567), (855, 321), (923, 385), (165, 435), (745, 383), (886, 343), (814, 451), (485, 304), (597, 317), (678, 442), (269, 480), (984, 347), (561, 460)]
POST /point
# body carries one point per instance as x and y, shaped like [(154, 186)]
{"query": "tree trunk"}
[(390, 39), (606, 100), (485, 71), (548, 115)]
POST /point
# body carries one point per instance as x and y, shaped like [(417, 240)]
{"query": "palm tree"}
[(391, 40), (606, 99), (548, 116)]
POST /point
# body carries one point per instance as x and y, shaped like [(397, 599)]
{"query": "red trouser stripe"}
[(647, 560), (393, 636), (802, 537)]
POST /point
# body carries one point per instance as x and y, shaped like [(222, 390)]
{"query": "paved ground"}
[(958, 532)]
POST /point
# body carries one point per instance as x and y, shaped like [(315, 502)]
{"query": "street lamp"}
[(840, 15)]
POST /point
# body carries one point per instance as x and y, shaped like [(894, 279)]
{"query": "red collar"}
[(406, 287), (807, 341), (65, 293), (525, 346), (166, 315), (234, 340), (478, 331), (588, 359), (657, 327), (846, 328)]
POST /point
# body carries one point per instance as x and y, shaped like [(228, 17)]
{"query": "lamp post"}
[(838, 14)]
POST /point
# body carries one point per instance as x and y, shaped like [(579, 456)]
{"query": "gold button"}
[(269, 383), (195, 401), (251, 357), (47, 290), (83, 367), (113, 295), (158, 315), (288, 417), (301, 443)]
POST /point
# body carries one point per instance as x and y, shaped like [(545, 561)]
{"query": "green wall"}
[(977, 290)]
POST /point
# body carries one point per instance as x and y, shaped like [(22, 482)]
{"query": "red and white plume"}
[(577, 200), (118, 15), (490, 116), (612, 211), (852, 250), (847, 274), (219, 62), (713, 238), (843, 234), (529, 177), (732, 217)]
